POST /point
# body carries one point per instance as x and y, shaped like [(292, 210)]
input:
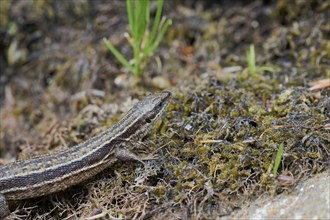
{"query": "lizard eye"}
[(150, 117)]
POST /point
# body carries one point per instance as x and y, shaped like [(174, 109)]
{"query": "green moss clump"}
[(227, 136)]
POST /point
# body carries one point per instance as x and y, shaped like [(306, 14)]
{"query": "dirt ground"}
[(217, 141)]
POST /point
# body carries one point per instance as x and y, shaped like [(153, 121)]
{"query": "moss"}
[(212, 146)]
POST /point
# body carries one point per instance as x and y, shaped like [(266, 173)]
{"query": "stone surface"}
[(309, 200)]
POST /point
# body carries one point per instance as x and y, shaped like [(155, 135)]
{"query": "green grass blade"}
[(118, 55), (130, 15), (160, 36), (137, 20), (252, 60), (155, 25), (147, 15), (278, 159), (144, 10)]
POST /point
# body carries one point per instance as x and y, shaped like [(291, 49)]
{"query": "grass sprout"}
[(251, 61), (278, 159), (143, 40)]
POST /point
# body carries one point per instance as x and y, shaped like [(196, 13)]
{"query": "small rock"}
[(161, 82), (126, 80)]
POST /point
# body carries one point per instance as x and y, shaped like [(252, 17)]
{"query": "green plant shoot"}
[(251, 61), (278, 159), (143, 41)]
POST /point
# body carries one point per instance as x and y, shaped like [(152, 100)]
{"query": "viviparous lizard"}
[(52, 173)]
